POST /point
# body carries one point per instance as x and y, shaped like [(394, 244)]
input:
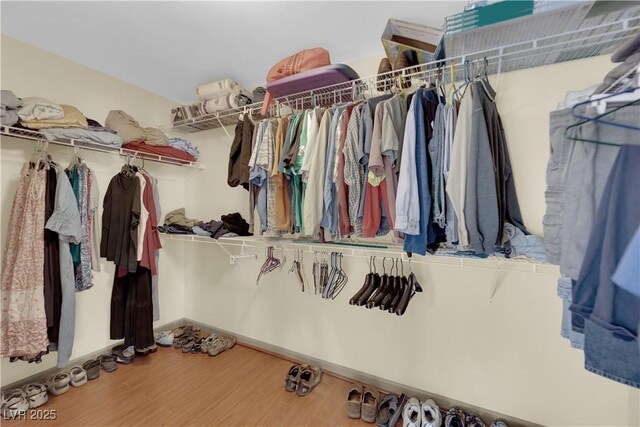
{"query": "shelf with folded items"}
[(216, 120), (366, 249), (33, 135), (489, 53)]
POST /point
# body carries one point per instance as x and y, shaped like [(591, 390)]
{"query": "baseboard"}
[(350, 374), (329, 368), (43, 375)]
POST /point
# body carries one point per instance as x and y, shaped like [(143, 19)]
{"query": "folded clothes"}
[(159, 150), (224, 102), (184, 145), (34, 108), (216, 228), (528, 245), (258, 94), (99, 137), (9, 100), (179, 217), (130, 130), (8, 117), (236, 224), (174, 229), (72, 117), (200, 232), (220, 88)]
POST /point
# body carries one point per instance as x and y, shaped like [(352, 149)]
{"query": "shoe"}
[(293, 377), (108, 362), (369, 410), (221, 344), (152, 348), (142, 351), (14, 403), (411, 414), (455, 417), (78, 376), (472, 420), (389, 410), (36, 394), (92, 368), (499, 423), (208, 343), (354, 401), (309, 379), (164, 338), (431, 416), (123, 355), (58, 384)]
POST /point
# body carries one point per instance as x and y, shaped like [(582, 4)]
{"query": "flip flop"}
[(92, 367), (309, 379), (108, 362), (36, 394), (78, 376)]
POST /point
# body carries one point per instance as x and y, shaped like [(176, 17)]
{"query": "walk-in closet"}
[(320, 213)]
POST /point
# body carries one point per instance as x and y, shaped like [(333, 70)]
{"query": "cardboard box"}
[(401, 36)]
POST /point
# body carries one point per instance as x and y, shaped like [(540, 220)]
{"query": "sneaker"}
[(164, 338)]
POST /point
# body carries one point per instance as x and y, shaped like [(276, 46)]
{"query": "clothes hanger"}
[(270, 264), (368, 278), (592, 141), (603, 99)]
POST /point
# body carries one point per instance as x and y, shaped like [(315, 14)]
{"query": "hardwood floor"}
[(241, 387)]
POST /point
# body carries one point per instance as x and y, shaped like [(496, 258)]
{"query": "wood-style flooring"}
[(241, 387)]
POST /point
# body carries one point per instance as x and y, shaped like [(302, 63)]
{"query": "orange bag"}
[(304, 60)]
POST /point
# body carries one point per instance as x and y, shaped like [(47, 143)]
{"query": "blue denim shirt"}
[(329, 214), (418, 243)]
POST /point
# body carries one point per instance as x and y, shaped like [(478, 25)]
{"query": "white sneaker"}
[(430, 414), (411, 416), (14, 404)]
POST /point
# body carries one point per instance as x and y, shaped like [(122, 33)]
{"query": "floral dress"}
[(24, 323)]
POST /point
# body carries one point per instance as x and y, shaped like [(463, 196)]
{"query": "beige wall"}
[(29, 71), (506, 355)]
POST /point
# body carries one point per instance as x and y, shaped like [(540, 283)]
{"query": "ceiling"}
[(169, 48)]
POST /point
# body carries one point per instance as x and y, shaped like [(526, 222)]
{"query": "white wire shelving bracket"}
[(443, 257), (586, 42), (32, 135)]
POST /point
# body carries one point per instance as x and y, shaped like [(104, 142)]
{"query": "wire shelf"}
[(595, 35), (216, 120), (33, 135)]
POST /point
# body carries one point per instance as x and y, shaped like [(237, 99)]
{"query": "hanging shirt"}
[(456, 186), (353, 170), (144, 216), (313, 202), (343, 201), (329, 220), (282, 202)]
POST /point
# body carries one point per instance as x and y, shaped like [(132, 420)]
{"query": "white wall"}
[(506, 356), (29, 71)]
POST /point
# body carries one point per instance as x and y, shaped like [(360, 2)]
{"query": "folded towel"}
[(34, 108), (9, 100), (71, 117), (220, 88), (8, 117), (130, 130)]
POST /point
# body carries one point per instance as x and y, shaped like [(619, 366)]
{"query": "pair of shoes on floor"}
[(124, 355), (362, 403), (143, 351), (455, 417), (60, 383), (302, 379), (164, 338), (215, 344), (425, 414), (15, 403)]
